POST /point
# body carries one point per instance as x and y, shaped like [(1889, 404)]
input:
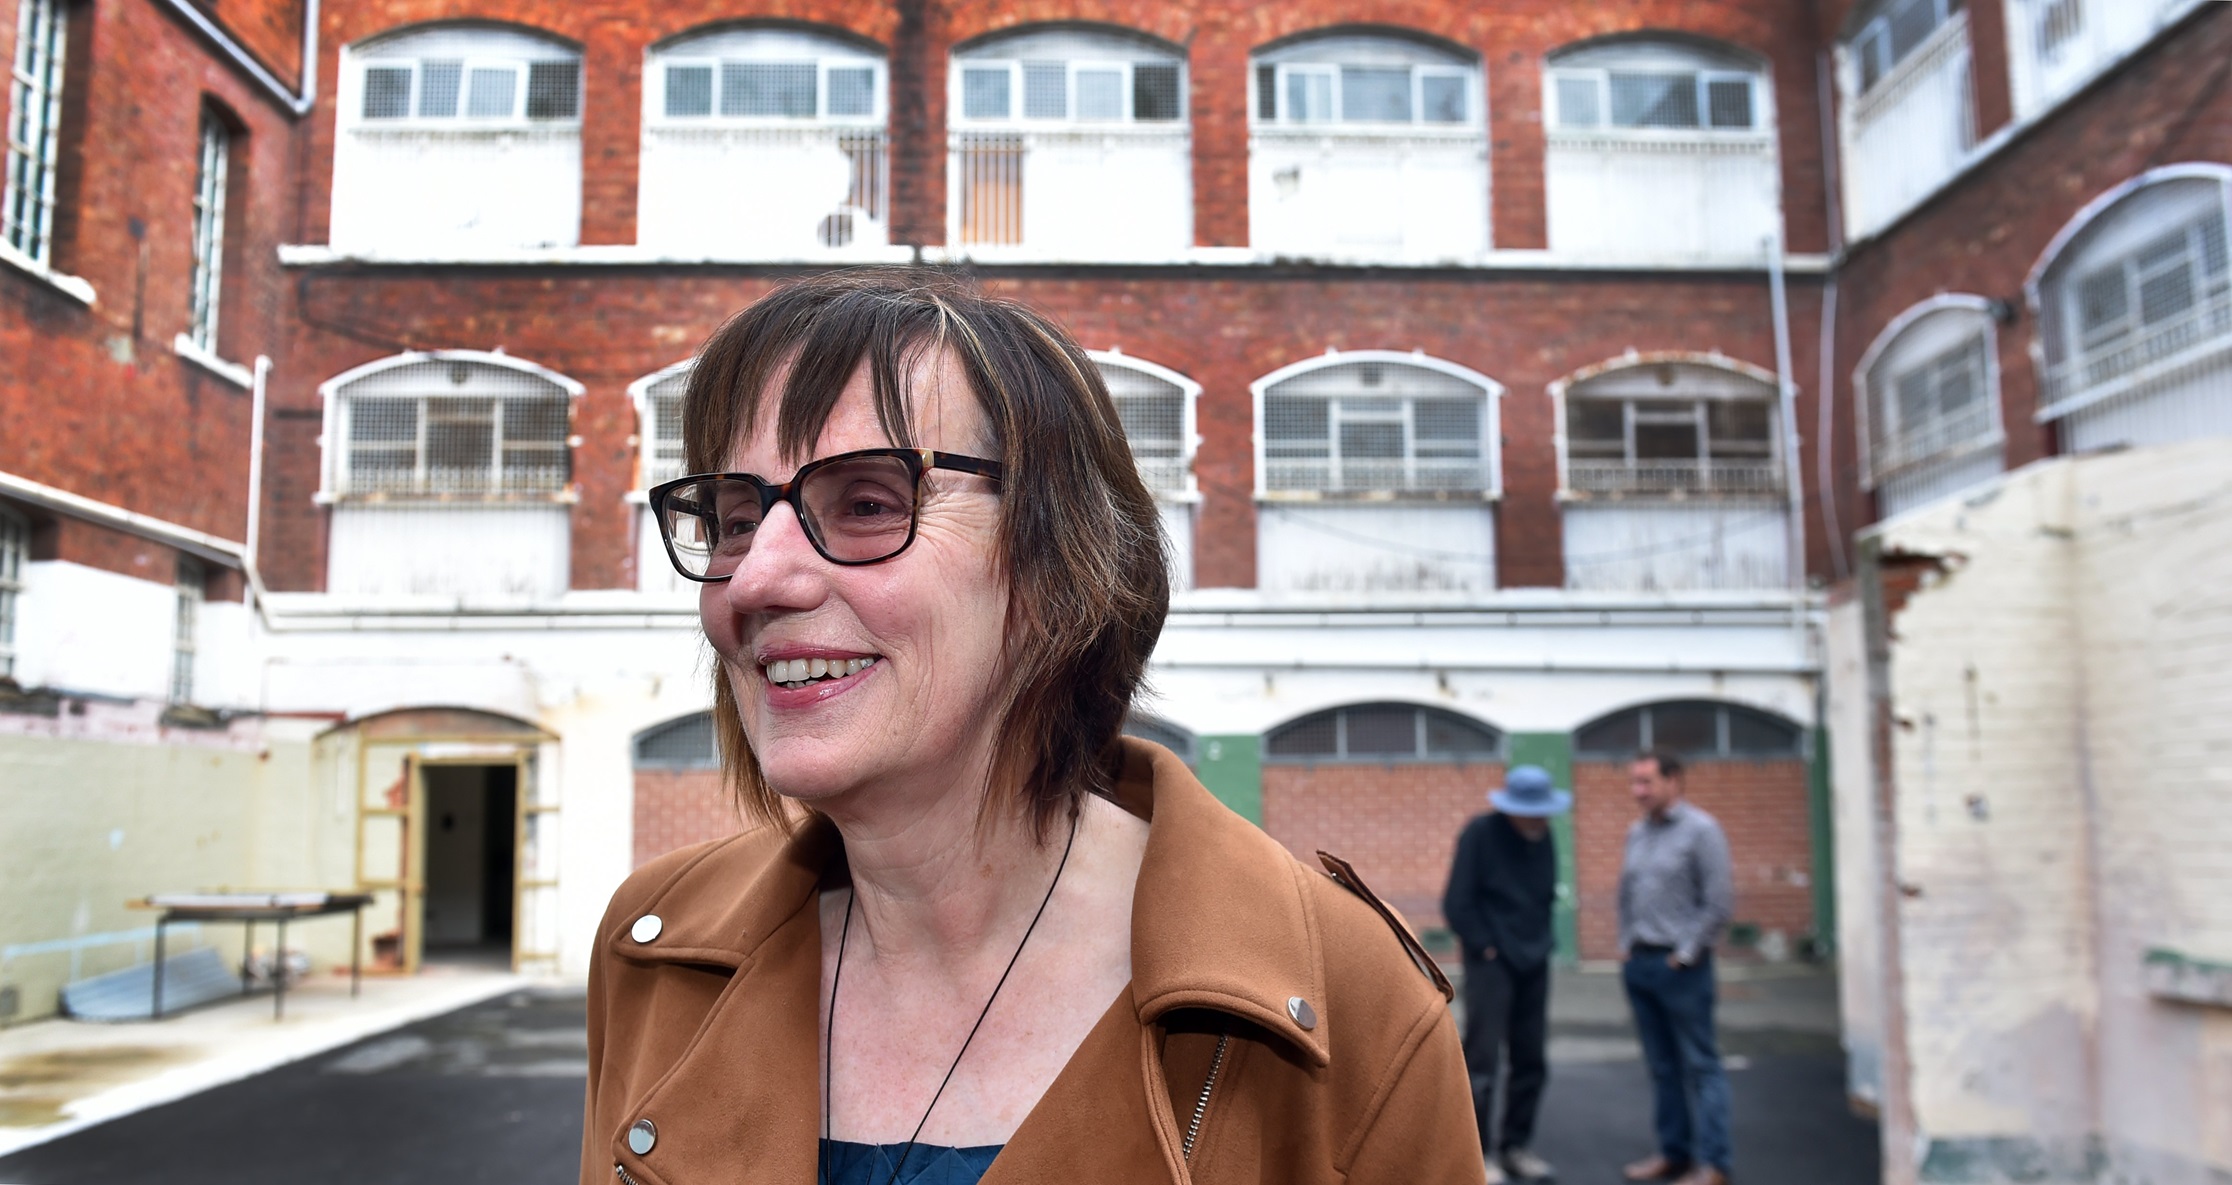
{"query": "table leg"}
[(155, 1010), (279, 974), (356, 951)]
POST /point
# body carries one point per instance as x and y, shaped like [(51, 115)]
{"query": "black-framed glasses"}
[(857, 508)]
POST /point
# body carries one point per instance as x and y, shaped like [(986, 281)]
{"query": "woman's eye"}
[(870, 503), (738, 528)]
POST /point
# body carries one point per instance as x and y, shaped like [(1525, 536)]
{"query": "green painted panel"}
[(1823, 830), (1231, 766), (1553, 751)]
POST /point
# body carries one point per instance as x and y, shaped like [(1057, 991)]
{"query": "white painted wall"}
[(475, 552), (2106, 32), (712, 192), (1857, 826), (2191, 400), (1920, 485), (1676, 546), (1412, 196), (1912, 132), (100, 632), (1375, 547), (1662, 198), (1178, 527), (1112, 193), (422, 192)]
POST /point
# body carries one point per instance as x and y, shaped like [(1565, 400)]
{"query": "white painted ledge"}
[(232, 372), (68, 285)]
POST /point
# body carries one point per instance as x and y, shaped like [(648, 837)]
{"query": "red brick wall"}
[(675, 808), (1762, 805), (92, 399), (1397, 824)]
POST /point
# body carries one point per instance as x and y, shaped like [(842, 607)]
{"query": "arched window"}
[(2135, 313), (1071, 143), (1376, 470), (458, 139), (1162, 732), (1369, 145), (1660, 150), (15, 552), (1382, 733), (763, 141), (1690, 728), (1673, 476), (1930, 394), (1909, 112), (449, 473), (2055, 47), (1157, 407), (658, 400), (686, 742)]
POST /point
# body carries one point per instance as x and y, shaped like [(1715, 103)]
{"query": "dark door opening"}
[(471, 841)]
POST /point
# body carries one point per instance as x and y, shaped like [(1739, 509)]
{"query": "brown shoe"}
[(1703, 1174), (1655, 1167)]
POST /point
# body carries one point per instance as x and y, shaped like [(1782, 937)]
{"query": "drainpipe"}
[(255, 489), (298, 104), (1793, 474)]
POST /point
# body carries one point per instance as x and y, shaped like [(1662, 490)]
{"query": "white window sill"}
[(567, 497), (232, 372), (68, 285), (1378, 497)]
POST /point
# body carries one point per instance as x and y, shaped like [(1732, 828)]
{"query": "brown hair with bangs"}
[(1078, 531)]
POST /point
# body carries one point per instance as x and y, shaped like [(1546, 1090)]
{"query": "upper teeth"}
[(799, 670)]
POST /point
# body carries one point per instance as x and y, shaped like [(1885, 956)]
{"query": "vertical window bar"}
[(34, 124), (209, 231)]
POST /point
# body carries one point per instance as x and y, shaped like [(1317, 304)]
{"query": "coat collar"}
[(1221, 919)]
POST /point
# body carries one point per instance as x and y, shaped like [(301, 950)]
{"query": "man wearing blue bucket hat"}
[(1501, 888)]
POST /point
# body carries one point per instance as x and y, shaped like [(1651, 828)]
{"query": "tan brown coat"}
[(709, 1030)]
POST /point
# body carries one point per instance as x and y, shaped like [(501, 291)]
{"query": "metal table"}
[(248, 909)]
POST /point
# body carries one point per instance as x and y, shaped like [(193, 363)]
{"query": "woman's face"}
[(930, 623)]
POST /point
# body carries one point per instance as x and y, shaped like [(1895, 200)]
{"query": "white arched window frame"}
[(1909, 112), (1930, 387), (765, 141), (1669, 425), (1158, 408), (1368, 145), (1662, 150), (1377, 424), (2137, 287), (658, 401), (1070, 142), (458, 138), (448, 425)]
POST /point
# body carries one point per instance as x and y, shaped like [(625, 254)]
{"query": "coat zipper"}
[(622, 1172), (1201, 1105)]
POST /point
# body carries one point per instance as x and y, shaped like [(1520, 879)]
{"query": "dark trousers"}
[(1674, 1021), (1504, 1008)]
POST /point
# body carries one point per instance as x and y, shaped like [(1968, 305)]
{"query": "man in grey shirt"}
[(1676, 895)]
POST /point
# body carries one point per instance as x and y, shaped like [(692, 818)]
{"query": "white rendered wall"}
[(1414, 196), (1912, 132), (2107, 31), (710, 191), (1676, 546), (418, 192), (467, 551), (1662, 199), (84, 629), (2190, 401), (1178, 527), (1925, 483), (1375, 547)]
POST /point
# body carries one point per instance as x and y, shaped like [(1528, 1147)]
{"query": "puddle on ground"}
[(50, 1081)]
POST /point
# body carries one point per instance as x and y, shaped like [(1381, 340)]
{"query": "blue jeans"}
[(1674, 1020)]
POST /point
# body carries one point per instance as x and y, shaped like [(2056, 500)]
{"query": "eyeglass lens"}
[(856, 510)]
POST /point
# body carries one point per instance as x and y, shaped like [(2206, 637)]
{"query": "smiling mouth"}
[(795, 673)]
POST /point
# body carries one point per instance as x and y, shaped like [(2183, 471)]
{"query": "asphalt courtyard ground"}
[(492, 1093)]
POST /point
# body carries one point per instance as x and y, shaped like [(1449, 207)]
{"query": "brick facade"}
[(675, 808), (1397, 824), (1760, 804)]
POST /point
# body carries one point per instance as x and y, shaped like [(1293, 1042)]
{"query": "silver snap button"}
[(646, 928), (642, 1136), (1300, 1010)]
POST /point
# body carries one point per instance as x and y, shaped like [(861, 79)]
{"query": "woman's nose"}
[(781, 569)]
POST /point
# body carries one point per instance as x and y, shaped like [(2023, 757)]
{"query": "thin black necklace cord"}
[(829, 1072)]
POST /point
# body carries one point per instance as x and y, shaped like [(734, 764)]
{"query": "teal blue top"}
[(927, 1164)]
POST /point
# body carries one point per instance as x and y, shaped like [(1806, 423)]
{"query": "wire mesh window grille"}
[(1156, 424), (453, 429), (686, 743), (1375, 427), (1674, 441), (1079, 78), (1930, 394), (991, 177), (1690, 728), (476, 76), (766, 76), (2149, 283), (2057, 23), (1382, 733), (1898, 28), (662, 428), (34, 128), (193, 584), (15, 552), (1648, 99), (209, 231), (1163, 733)]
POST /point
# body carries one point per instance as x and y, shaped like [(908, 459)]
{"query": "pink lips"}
[(792, 698)]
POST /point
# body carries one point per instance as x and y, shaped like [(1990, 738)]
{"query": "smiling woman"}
[(974, 934)]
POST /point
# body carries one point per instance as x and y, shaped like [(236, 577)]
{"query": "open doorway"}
[(472, 814)]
